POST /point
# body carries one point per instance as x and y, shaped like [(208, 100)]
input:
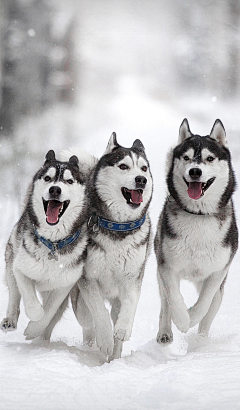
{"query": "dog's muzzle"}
[(54, 209), (197, 189)]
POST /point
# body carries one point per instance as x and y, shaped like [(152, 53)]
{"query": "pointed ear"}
[(112, 143), (218, 133), (138, 145), (184, 131), (50, 156), (74, 161)]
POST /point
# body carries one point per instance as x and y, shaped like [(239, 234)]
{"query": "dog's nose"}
[(140, 181), (55, 191), (195, 173)]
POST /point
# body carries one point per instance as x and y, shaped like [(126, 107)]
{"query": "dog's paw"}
[(104, 339), (181, 319), (33, 330), (165, 337), (8, 325), (35, 312)]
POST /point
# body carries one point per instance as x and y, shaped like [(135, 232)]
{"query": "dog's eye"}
[(47, 178), (123, 166), (144, 168), (210, 158), (70, 181), (186, 158)]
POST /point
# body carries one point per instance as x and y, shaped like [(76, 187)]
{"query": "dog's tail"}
[(86, 161)]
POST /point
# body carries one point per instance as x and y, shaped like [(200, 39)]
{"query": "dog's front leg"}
[(26, 286), (83, 316), (90, 292), (13, 310), (129, 297), (165, 334), (210, 287), (53, 302), (178, 309)]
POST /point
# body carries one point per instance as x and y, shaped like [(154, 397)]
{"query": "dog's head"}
[(201, 178), (123, 181), (58, 192)]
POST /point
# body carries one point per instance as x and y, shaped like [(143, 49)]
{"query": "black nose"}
[(195, 173), (140, 181), (55, 191)]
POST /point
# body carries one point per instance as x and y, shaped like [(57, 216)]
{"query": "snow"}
[(193, 372)]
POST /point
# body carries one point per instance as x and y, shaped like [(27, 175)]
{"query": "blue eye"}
[(47, 178), (210, 158)]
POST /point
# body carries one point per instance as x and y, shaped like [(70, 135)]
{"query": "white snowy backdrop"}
[(140, 68)]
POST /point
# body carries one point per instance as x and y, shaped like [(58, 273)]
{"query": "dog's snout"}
[(195, 173), (140, 181), (55, 191)]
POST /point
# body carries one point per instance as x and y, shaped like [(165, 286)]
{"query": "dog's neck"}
[(183, 208), (58, 245), (96, 222)]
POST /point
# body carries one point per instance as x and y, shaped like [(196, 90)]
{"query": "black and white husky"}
[(120, 190), (197, 235), (47, 248)]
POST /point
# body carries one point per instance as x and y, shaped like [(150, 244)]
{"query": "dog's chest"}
[(197, 250), (49, 273), (116, 262)]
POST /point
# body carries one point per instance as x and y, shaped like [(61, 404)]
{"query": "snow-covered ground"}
[(194, 372)]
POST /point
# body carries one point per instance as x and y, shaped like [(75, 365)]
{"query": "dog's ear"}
[(184, 131), (218, 133), (50, 156), (74, 160), (112, 144), (138, 145)]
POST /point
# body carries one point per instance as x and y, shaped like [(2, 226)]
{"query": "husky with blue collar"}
[(197, 236), (47, 248), (119, 191)]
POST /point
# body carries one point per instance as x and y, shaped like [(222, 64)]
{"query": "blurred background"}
[(73, 71)]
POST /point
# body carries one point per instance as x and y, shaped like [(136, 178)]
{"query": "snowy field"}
[(193, 372)]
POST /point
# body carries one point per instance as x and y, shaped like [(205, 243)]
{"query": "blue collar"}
[(120, 227), (56, 246)]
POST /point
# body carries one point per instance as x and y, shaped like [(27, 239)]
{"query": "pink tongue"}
[(53, 211), (195, 190), (136, 197)]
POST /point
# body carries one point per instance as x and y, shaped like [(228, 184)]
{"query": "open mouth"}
[(54, 210), (133, 196), (197, 189)]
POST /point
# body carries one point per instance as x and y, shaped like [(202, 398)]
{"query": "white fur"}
[(218, 169), (196, 252), (115, 275), (74, 192), (31, 269), (110, 180), (114, 267)]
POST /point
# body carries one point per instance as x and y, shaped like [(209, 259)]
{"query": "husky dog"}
[(197, 235), (47, 248), (120, 190)]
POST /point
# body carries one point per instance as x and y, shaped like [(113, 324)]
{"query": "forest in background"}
[(63, 64)]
